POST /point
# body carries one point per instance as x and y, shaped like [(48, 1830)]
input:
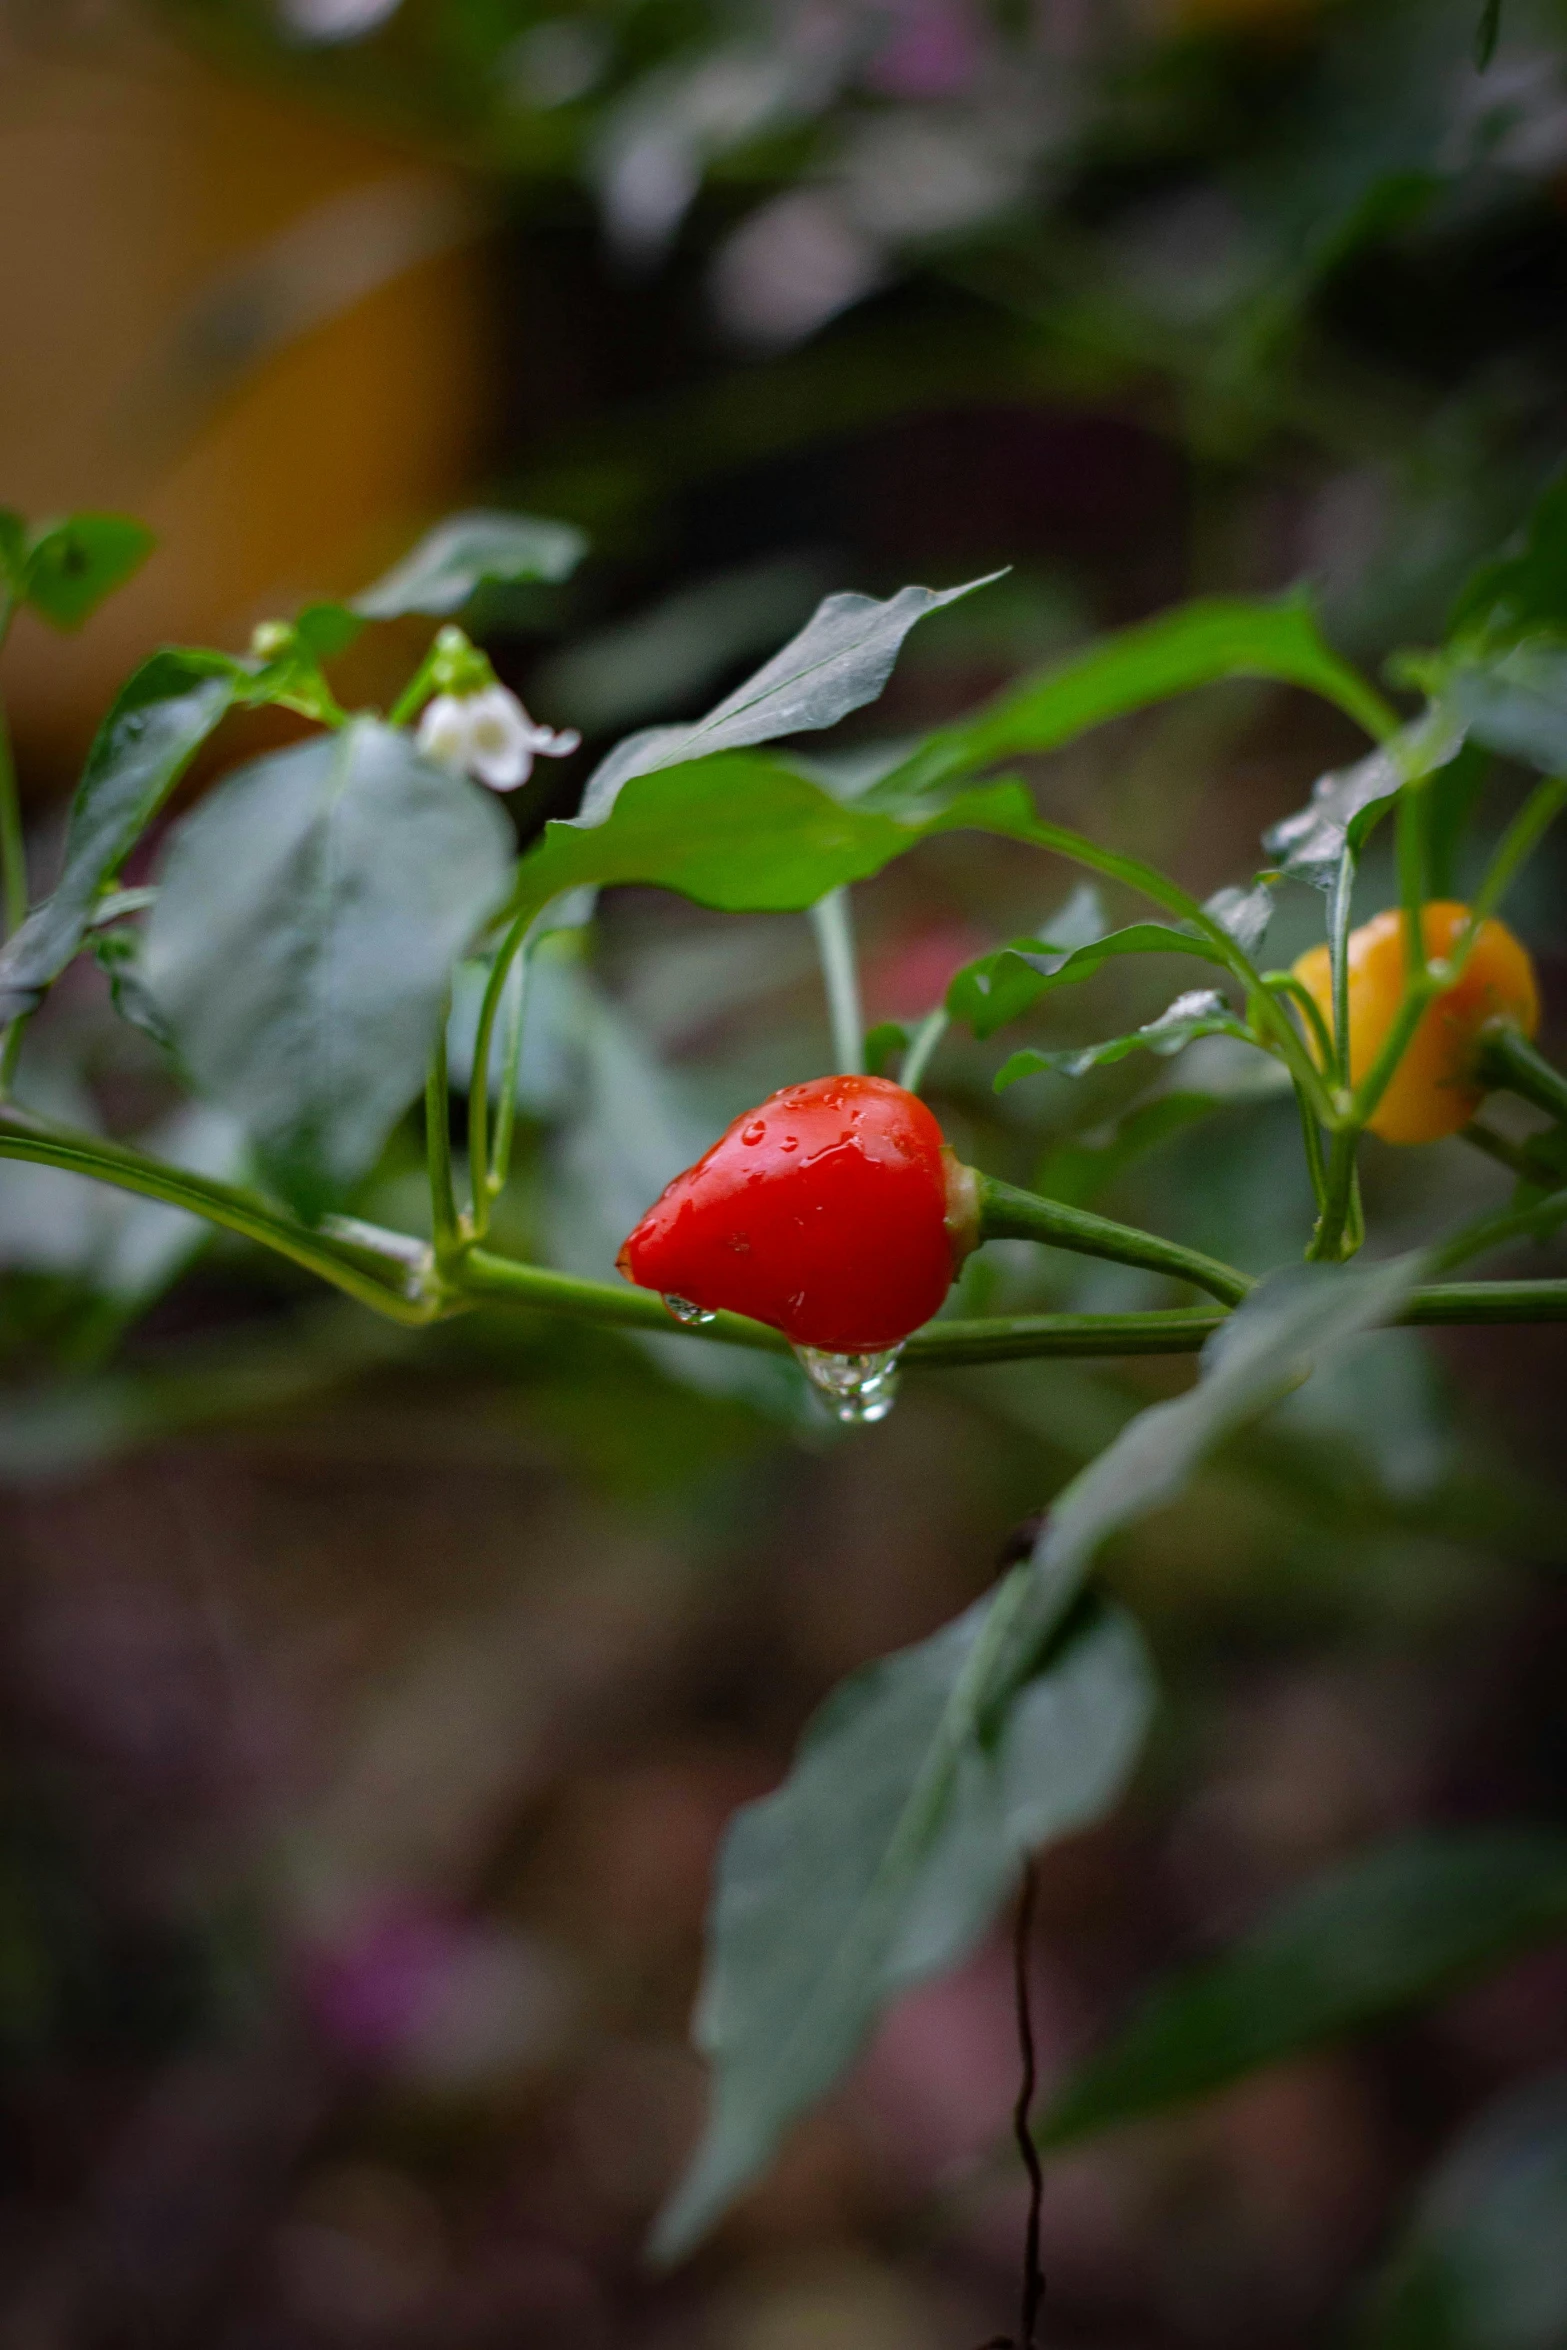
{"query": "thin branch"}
[(832, 920), (1007, 1213)]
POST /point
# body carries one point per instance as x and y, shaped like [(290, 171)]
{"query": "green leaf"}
[(1202, 1012), (1517, 703), (467, 552), (303, 938), (71, 566), (1482, 2265), (1346, 803), (162, 717), (118, 953), (1196, 644), (883, 1857), (839, 661), (925, 1777), (1524, 591), (1389, 1931), (1000, 987)]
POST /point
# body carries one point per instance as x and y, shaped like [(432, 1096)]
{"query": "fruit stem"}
[(1507, 1058), (833, 923), (1005, 1213)]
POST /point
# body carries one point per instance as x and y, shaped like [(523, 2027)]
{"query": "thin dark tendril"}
[(1033, 2275), (1033, 2278)]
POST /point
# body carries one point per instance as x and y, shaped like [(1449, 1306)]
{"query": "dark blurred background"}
[(370, 1703)]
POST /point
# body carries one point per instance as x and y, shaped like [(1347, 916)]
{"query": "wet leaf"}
[(1345, 804), (309, 916), (1202, 1012), (840, 660), (163, 715), (1002, 986), (1391, 1930)]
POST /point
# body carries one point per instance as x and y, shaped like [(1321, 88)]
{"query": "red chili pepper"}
[(834, 1211)]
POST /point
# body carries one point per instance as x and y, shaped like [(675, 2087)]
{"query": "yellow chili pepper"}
[(1435, 1089)]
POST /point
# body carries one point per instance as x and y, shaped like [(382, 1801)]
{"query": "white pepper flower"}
[(490, 736)]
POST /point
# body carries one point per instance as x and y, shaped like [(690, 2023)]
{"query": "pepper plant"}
[(295, 959)]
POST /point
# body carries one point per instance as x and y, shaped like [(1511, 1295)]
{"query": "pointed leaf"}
[(164, 714), (1392, 1930), (1194, 645), (1346, 803), (304, 934), (1202, 1012), (922, 1779), (840, 660), (71, 566), (883, 1857), (1000, 987), (467, 552)]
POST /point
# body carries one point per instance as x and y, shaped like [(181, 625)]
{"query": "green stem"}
[(396, 1276), (482, 1275), (415, 693), (1509, 1060), (1517, 844), (832, 920), (1007, 1338), (13, 863), (922, 1050), (438, 1153), (1410, 845), (1328, 1241), (495, 1174), (1006, 1213), (1537, 1222), (386, 1271), (1455, 1302), (1340, 913)]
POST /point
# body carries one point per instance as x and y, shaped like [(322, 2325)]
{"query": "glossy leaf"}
[(890, 1844), (1483, 2265), (839, 661), (300, 948), (1196, 644), (1346, 803), (1389, 1931), (467, 552), (884, 1856), (1202, 1012), (1002, 986), (71, 566), (163, 716)]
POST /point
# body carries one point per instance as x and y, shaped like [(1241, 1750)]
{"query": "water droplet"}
[(689, 1317), (790, 1142), (859, 1390), (754, 1133)]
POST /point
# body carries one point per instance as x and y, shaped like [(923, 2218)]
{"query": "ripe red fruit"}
[(834, 1211)]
